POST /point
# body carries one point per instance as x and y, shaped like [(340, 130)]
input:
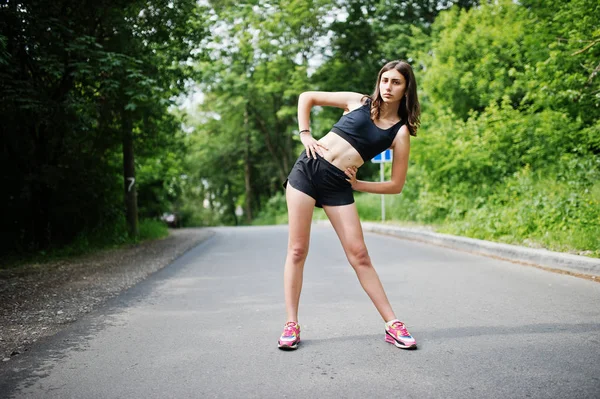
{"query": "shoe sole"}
[(288, 347), (392, 340)]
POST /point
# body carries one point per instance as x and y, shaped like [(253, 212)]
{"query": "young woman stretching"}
[(325, 176)]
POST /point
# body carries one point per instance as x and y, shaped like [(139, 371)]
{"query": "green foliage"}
[(477, 57), (540, 56), (151, 229), (558, 212), (242, 146), (509, 142), (104, 236), (274, 211), (563, 45), (509, 90), (161, 177), (472, 156), (73, 85), (501, 155)]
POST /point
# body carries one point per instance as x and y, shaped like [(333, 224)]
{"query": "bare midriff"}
[(339, 152)]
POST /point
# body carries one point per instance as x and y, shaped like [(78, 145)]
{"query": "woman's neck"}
[(389, 111)]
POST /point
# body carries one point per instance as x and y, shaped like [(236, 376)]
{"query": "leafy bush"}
[(274, 212), (107, 235), (553, 211), (151, 229)]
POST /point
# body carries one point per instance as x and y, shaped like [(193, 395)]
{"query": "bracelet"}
[(302, 131)]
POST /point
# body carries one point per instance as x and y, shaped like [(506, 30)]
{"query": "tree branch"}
[(586, 48)]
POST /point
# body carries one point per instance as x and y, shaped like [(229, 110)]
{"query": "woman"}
[(325, 176)]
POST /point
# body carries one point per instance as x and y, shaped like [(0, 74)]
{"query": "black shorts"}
[(321, 180)]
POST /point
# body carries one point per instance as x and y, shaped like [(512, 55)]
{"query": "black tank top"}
[(357, 128)]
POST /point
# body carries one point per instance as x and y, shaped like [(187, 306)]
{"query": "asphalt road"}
[(207, 326)]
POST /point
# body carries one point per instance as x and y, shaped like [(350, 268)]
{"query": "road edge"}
[(554, 261), (576, 265)]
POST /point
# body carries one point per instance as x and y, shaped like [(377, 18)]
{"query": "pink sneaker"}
[(398, 335), (290, 338)]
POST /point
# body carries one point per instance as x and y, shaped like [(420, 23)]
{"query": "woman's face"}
[(392, 86)]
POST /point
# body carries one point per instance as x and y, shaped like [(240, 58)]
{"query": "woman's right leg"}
[(300, 210)]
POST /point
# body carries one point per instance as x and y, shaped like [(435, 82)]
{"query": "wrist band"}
[(305, 130)]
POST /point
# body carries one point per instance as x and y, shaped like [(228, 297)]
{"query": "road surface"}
[(207, 327)]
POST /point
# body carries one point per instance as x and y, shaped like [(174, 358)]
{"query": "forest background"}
[(117, 110)]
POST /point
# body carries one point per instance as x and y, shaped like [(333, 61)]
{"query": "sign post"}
[(385, 156)]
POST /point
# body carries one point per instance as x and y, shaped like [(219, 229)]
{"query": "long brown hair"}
[(409, 110)]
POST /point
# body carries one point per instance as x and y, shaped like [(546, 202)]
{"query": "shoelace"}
[(290, 328), (400, 326)]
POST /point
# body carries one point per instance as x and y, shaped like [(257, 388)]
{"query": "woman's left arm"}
[(401, 150)]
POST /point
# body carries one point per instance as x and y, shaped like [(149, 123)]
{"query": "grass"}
[(152, 230), (518, 222), (527, 221), (113, 236)]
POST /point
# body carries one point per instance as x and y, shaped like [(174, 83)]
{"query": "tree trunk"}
[(273, 149), (247, 168), (131, 212)]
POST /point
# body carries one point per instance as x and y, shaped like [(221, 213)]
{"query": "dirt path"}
[(40, 300)]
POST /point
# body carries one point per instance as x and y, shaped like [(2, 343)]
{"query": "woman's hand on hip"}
[(312, 146), (351, 173)]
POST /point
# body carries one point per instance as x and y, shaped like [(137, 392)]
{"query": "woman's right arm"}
[(341, 99)]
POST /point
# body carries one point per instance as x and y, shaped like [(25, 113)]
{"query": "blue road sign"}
[(385, 156)]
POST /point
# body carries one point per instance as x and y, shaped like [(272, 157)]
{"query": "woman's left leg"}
[(346, 223)]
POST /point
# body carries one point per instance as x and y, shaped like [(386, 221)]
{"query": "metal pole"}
[(381, 175)]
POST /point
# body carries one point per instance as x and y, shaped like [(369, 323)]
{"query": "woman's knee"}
[(358, 255), (298, 252)]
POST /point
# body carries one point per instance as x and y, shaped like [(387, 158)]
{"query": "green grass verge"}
[(110, 236), (537, 214), (152, 230)]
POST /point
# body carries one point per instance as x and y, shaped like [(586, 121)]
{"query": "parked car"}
[(170, 219)]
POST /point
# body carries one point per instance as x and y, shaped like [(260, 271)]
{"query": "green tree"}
[(258, 68), (509, 140), (75, 81)]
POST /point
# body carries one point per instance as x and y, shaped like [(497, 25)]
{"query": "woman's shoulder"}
[(364, 102), (403, 131), (358, 101)]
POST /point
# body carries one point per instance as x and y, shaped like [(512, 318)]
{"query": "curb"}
[(556, 261)]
